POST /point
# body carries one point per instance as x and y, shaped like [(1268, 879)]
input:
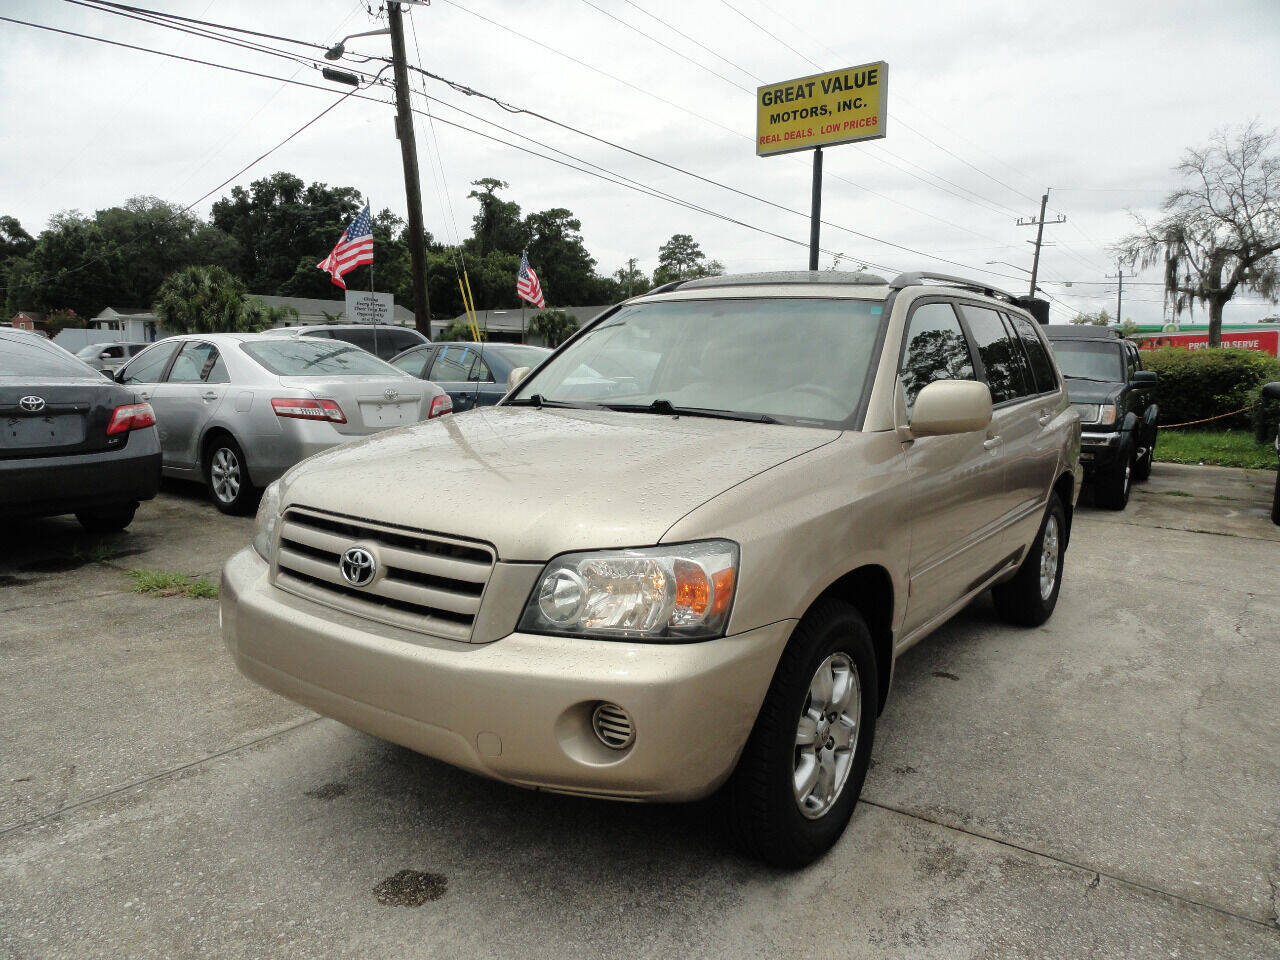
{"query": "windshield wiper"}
[(539, 401), (1090, 379), (667, 409)]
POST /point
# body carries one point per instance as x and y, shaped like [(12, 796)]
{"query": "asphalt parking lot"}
[(1107, 785)]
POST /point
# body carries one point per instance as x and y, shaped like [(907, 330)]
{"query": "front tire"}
[(227, 475), (1029, 598), (1142, 468), (107, 519), (1111, 489), (801, 772)]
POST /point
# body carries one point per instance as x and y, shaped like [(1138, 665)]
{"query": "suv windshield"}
[(310, 358), (1089, 361), (793, 360)]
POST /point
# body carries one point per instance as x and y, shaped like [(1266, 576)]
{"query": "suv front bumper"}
[(1098, 450), (518, 709)]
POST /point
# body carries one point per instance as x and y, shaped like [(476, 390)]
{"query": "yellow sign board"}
[(822, 110)]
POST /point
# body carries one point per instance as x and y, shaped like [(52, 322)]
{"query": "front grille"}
[(424, 582)]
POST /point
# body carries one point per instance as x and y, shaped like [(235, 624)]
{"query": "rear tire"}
[(1111, 489), (1142, 468), (800, 774), (107, 519), (1028, 600), (227, 475)]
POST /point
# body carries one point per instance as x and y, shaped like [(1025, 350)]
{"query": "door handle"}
[(1046, 419), (145, 395), (210, 395), (992, 442)]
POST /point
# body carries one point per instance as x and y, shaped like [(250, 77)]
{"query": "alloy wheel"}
[(1049, 557), (224, 473), (827, 735)]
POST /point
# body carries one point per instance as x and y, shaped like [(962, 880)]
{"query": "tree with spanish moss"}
[(1221, 230)]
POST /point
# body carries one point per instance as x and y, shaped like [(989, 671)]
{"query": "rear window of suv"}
[(302, 358)]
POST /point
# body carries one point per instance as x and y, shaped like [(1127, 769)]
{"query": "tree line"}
[(270, 236)]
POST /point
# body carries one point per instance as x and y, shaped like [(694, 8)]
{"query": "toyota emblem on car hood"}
[(358, 567), (391, 393), (32, 404)]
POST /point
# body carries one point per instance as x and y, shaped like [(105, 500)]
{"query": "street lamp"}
[(338, 49)]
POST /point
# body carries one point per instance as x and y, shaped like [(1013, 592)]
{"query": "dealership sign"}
[(366, 307), (1267, 341), (822, 110)]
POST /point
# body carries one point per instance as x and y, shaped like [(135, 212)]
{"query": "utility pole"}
[(1038, 223), (815, 221), (1118, 276), (412, 187)]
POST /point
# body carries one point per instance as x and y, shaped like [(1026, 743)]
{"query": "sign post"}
[(818, 111)]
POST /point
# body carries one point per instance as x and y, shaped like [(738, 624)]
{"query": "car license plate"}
[(24, 432), (388, 414)]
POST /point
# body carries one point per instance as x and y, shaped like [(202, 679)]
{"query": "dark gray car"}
[(474, 375)]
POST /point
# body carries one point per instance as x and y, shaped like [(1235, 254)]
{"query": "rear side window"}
[(199, 362), (26, 355), (306, 358), (149, 365), (936, 349), (452, 363), (413, 363), (392, 342), (1008, 373), (1041, 365)]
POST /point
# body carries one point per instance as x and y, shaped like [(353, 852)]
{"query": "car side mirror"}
[(951, 406), (104, 355), (1146, 376), (516, 376), (1271, 390)]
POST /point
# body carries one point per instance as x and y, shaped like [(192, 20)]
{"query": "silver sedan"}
[(238, 410)]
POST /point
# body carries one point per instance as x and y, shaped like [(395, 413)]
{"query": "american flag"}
[(527, 286), (354, 249)]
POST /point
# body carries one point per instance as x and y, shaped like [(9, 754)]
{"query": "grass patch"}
[(158, 583), (1224, 448)]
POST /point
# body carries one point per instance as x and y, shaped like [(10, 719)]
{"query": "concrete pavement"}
[(1106, 785)]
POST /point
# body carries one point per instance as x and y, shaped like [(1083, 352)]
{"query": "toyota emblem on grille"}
[(358, 567), (32, 404), (391, 393)]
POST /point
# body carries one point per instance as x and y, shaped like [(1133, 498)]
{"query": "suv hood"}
[(1091, 391), (535, 483)]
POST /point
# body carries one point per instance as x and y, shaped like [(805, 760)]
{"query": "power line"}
[(693, 40), (206, 23), (770, 33)]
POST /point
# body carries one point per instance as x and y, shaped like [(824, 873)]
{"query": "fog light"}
[(613, 726)]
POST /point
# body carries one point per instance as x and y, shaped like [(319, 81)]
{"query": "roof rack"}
[(917, 278)]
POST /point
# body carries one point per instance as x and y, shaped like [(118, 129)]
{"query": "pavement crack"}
[(1092, 872), (163, 774)]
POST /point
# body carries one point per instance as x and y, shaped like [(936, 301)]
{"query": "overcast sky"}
[(1096, 100)]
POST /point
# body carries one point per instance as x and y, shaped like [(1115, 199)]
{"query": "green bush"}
[(1196, 384)]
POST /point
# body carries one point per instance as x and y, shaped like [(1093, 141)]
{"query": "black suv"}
[(1115, 398)]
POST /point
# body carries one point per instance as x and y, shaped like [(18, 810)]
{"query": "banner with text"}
[(366, 307), (822, 110)]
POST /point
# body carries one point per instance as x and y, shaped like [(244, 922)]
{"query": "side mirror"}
[(951, 406), (1146, 376), (1271, 390), (104, 355), (515, 377)]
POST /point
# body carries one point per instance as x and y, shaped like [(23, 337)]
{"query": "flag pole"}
[(369, 203)]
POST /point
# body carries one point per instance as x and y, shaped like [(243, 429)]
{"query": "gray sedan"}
[(239, 409)]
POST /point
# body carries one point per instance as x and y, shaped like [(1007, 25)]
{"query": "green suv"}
[(1116, 401)]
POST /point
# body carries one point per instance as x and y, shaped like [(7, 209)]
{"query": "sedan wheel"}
[(227, 474)]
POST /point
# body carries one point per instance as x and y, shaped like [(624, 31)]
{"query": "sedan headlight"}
[(268, 519), (678, 592)]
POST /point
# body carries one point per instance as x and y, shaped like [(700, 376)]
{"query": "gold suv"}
[(683, 553)]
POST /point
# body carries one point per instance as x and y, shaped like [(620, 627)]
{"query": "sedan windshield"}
[(30, 357), (1089, 361), (309, 358), (802, 361)]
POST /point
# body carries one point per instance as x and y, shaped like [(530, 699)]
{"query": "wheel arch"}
[(869, 590), (212, 433)]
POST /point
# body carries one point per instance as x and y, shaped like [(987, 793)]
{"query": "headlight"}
[(1107, 414), (678, 592), (1088, 412), (268, 519)]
